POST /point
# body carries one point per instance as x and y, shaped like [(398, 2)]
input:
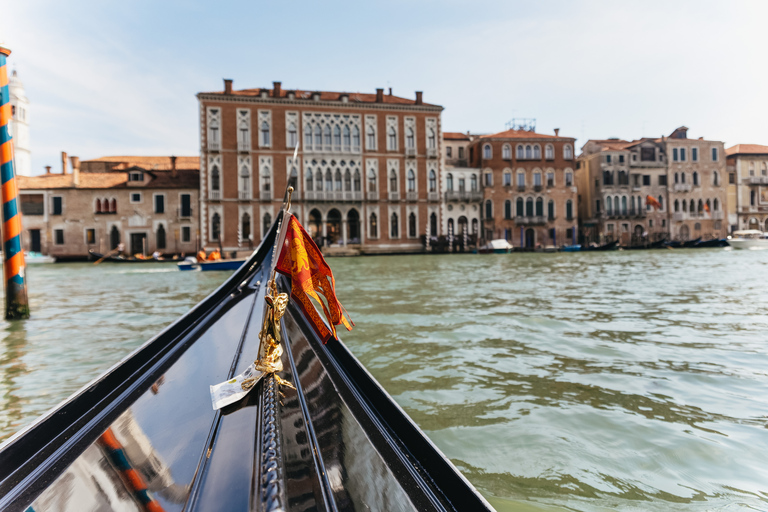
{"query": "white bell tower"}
[(20, 126)]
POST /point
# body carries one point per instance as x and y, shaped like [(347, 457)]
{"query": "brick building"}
[(366, 178), (748, 183), (147, 203), (529, 193)]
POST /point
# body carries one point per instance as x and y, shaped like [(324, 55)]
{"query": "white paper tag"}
[(231, 391)]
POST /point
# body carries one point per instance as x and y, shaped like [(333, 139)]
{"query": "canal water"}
[(597, 381)]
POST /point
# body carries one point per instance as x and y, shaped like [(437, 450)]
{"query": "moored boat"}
[(610, 246), (193, 264), (116, 258), (748, 239), (498, 246), (143, 436), (571, 248), (715, 242)]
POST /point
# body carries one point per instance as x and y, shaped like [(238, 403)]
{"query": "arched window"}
[(695, 178), (537, 152), (328, 180), (715, 178), (528, 152), (347, 181), (412, 225), (245, 181), (549, 152), (449, 182), (371, 134), (410, 138), (319, 180), (697, 227), (661, 202), (693, 206), (519, 207), (318, 137), (715, 204), (507, 209), (520, 152), (432, 181), (431, 139), (337, 180), (356, 184), (529, 207), (371, 180), (293, 138), (265, 133), (411, 181), (488, 209), (450, 227), (623, 205), (347, 139), (685, 205), (327, 135), (682, 177), (632, 205), (308, 136), (293, 181), (215, 178), (266, 224), (616, 207), (551, 209), (373, 226), (609, 206), (677, 178), (112, 206), (355, 137), (394, 230), (215, 226), (506, 152), (539, 207), (266, 180), (433, 224), (708, 206), (677, 205), (245, 226), (98, 205), (392, 138), (473, 183), (700, 207), (337, 137), (392, 181), (568, 152), (487, 152), (569, 209)]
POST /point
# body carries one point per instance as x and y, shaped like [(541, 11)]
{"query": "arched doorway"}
[(353, 227), (530, 238), (333, 226), (639, 231), (160, 237), (451, 229), (685, 232), (463, 225), (753, 224), (433, 224), (313, 226), (114, 237)]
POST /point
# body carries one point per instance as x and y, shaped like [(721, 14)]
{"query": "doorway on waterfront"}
[(753, 224), (114, 238), (685, 232), (353, 226), (313, 226), (34, 240), (333, 226), (138, 241), (530, 238)]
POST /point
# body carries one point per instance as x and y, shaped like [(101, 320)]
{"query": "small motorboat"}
[(144, 436), (748, 239), (191, 263), (33, 258), (571, 248), (498, 246)]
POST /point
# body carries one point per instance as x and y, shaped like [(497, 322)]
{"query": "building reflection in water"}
[(12, 368)]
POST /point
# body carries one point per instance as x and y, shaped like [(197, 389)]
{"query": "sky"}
[(120, 78)]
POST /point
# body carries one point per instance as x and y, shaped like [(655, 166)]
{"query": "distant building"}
[(529, 192), (20, 126), (146, 203), (748, 179), (685, 176), (366, 178), (460, 184)]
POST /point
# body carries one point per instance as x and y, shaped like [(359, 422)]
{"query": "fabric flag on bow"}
[(302, 261), (653, 202)]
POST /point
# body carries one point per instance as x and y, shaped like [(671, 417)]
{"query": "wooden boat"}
[(144, 436), (498, 246), (691, 243), (113, 258), (610, 246), (715, 242), (193, 264)]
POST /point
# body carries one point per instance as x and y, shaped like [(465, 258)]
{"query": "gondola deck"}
[(144, 436)]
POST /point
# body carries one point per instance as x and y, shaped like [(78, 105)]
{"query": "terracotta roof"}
[(747, 149), (522, 134), (455, 136), (354, 97), (159, 163), (185, 179)]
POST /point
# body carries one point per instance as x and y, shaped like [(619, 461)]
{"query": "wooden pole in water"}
[(16, 300)]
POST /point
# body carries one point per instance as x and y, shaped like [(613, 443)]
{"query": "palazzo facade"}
[(366, 178)]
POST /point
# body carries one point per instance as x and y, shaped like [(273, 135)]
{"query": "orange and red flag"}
[(653, 202), (706, 207), (311, 277)]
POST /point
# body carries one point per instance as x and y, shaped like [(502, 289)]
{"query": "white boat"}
[(498, 246), (749, 239)]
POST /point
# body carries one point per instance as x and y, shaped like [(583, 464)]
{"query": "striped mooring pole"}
[(16, 302)]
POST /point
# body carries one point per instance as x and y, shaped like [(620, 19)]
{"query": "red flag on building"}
[(311, 277), (653, 202), (706, 207)]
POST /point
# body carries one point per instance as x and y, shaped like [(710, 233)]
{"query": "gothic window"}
[(265, 134), (411, 181), (371, 180), (266, 179), (609, 206), (374, 228), (568, 152), (623, 205), (715, 178), (293, 138), (661, 203), (549, 152), (433, 224), (347, 181), (410, 139), (431, 139), (529, 207), (449, 182), (328, 181), (392, 181), (616, 207), (113, 206), (308, 136), (267, 223), (337, 137), (412, 225), (537, 152), (309, 179), (392, 139), (347, 139), (245, 227), (371, 137), (318, 138), (528, 152), (473, 183), (519, 207), (293, 181), (327, 134), (693, 206), (695, 178), (520, 153), (245, 179), (487, 152), (215, 178), (98, 205), (432, 181), (355, 138), (394, 231), (539, 207), (356, 181), (337, 180), (319, 180), (215, 226), (715, 204), (506, 152)]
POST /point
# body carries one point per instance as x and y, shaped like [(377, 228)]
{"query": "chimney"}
[(276, 89), (557, 132), (379, 95), (174, 173), (419, 98), (227, 86), (47, 169), (75, 170), (390, 91), (63, 162)]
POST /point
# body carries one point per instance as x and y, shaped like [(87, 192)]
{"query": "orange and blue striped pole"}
[(16, 302)]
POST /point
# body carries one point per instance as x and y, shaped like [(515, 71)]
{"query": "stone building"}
[(529, 193), (22, 156), (748, 179), (366, 178), (684, 176), (460, 185), (147, 203)]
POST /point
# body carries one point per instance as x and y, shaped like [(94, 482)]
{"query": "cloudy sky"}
[(119, 78)]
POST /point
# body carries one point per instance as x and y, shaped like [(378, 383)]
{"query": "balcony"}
[(335, 196), (184, 213), (412, 196), (214, 195), (214, 146), (678, 216), (718, 215), (433, 197), (431, 152), (682, 187), (530, 221), (265, 195), (244, 195), (756, 180), (410, 152), (537, 188), (636, 187), (373, 195), (463, 195), (521, 188), (394, 196)]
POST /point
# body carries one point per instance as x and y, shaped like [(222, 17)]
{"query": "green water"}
[(614, 381)]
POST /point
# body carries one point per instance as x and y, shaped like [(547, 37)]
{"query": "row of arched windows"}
[(105, 206), (623, 205), (333, 180), (528, 152), (462, 184), (693, 206), (339, 138), (681, 177), (529, 207)]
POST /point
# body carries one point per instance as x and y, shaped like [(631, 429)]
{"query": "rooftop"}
[(523, 134), (150, 163), (455, 136), (185, 179), (747, 149)]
